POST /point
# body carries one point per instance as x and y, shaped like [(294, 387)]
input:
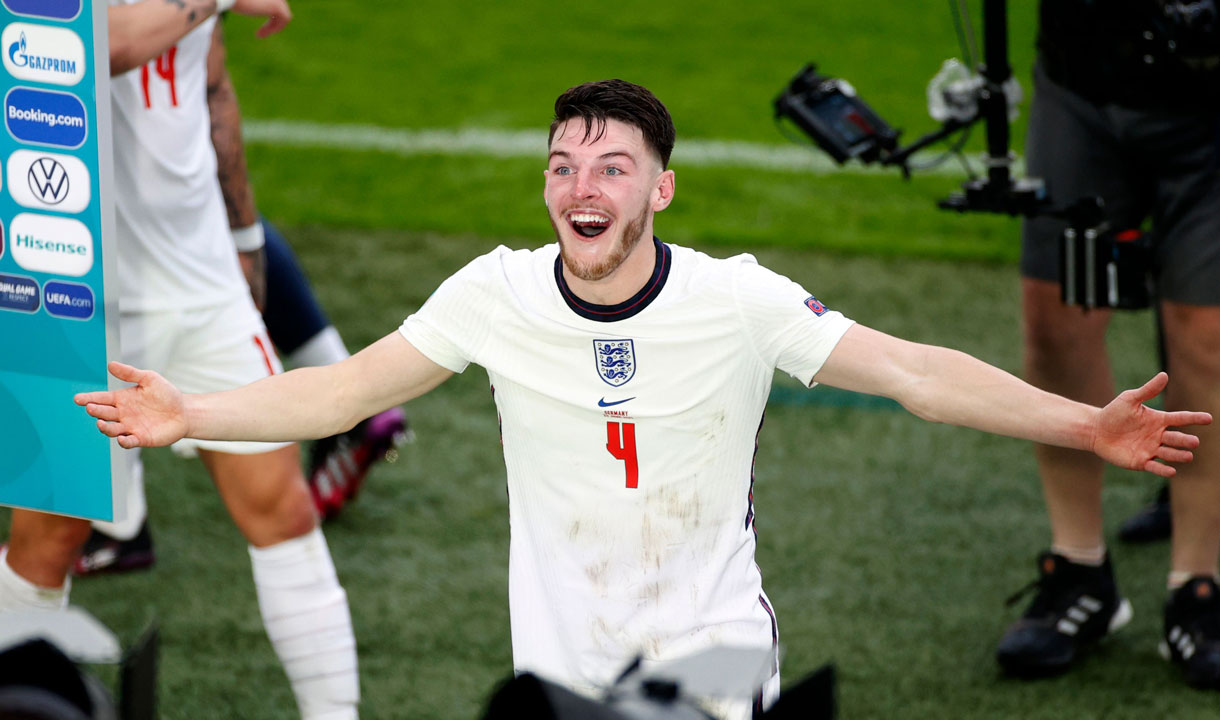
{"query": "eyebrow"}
[(603, 156)]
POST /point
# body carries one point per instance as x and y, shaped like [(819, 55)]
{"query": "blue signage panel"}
[(47, 9), (45, 117), (58, 290)]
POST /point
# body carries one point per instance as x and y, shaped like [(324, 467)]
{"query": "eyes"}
[(610, 170)]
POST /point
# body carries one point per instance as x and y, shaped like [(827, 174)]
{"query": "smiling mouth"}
[(589, 224)]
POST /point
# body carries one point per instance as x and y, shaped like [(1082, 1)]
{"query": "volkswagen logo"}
[(48, 180)]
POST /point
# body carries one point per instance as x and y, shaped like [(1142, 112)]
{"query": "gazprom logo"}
[(43, 54), (50, 9), (49, 244), (45, 117), (68, 300)]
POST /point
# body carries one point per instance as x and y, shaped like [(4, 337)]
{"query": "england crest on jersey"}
[(615, 360)]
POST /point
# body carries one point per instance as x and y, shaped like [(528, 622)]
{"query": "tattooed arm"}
[(141, 31), (231, 163)]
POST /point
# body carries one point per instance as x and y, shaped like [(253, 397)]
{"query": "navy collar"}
[(629, 307)]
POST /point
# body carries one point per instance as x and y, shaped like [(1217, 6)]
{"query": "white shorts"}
[(203, 350)]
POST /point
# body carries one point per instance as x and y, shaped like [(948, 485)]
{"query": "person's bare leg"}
[(1065, 353), (34, 567), (1193, 343)]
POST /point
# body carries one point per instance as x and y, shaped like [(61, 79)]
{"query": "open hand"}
[(1132, 435), (150, 414), (277, 13)]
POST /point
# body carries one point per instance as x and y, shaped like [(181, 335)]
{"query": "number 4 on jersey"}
[(620, 441)]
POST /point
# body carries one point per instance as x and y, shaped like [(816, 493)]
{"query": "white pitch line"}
[(532, 144)]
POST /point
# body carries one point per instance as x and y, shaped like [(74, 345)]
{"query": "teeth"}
[(588, 218)]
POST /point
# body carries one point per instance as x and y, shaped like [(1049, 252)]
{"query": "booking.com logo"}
[(45, 117)]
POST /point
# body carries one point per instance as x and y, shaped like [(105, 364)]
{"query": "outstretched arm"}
[(948, 386), (304, 404), (141, 31)]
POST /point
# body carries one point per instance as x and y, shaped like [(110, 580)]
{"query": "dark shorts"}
[(1145, 164)]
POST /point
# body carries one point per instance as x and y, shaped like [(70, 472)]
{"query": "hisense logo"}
[(29, 241), (49, 244)]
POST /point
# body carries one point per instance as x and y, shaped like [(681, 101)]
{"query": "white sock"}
[(305, 612), (137, 507), (1091, 556), (17, 593), (325, 348)]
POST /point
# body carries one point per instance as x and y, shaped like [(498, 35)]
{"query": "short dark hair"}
[(597, 102)]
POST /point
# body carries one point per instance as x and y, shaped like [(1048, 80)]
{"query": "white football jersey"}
[(629, 437), (174, 246)]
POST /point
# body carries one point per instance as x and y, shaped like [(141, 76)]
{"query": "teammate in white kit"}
[(630, 377), (186, 309)]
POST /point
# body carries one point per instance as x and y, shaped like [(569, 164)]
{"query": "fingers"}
[(103, 397), (1182, 418), (1169, 454), (1152, 388), (108, 413), (1173, 438), (126, 373), (1156, 468), (119, 433), (274, 24)]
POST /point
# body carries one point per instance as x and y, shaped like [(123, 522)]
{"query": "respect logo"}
[(18, 293), (56, 245), (43, 54), (45, 117)]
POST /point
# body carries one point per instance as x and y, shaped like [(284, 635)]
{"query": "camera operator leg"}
[(1073, 145), (1077, 601), (1192, 613), (1154, 521)]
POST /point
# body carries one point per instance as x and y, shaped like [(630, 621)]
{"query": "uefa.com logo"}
[(49, 9), (43, 54), (67, 300)]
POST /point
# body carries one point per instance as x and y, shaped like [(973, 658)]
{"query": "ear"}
[(663, 191), (546, 177)]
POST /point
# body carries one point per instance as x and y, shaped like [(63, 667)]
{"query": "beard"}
[(630, 236)]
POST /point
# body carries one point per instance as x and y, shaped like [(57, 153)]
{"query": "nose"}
[(584, 186)]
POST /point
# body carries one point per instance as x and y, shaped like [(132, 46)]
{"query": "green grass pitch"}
[(888, 544)]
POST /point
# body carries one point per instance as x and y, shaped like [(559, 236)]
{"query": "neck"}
[(626, 280)]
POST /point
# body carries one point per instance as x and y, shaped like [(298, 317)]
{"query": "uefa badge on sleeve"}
[(615, 360), (818, 308)]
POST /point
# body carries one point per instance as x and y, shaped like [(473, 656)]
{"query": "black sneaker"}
[(1192, 632), (1152, 523), (105, 554), (1076, 606)]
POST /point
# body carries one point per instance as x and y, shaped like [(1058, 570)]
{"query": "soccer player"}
[(630, 376), (302, 334), (186, 308), (1127, 108)]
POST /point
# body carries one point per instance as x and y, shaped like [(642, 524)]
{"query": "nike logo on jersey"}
[(603, 403)]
